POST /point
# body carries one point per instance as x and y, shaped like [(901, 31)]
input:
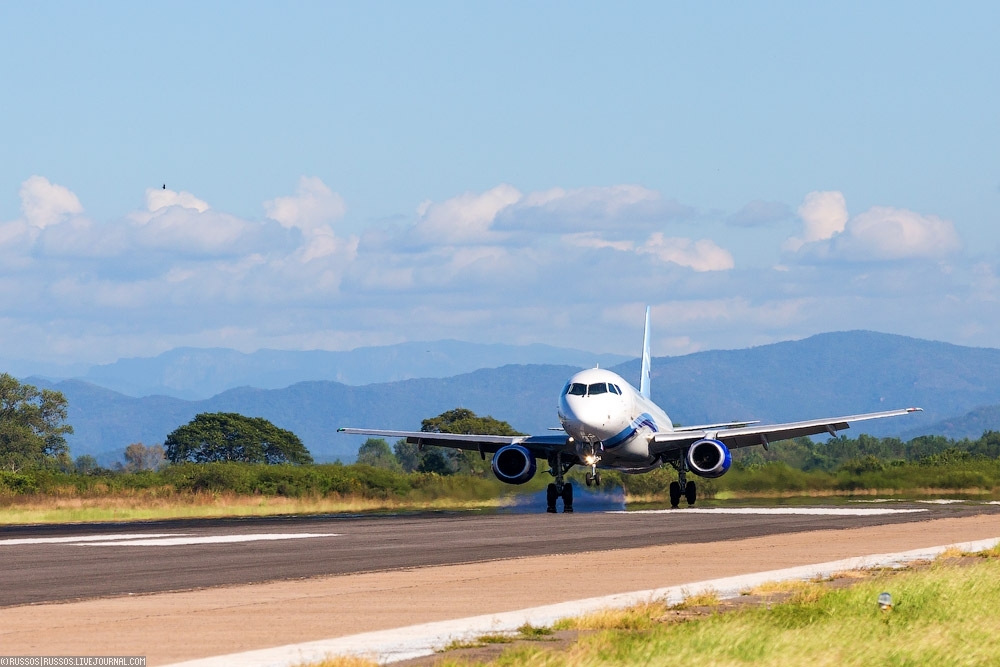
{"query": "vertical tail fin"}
[(644, 378)]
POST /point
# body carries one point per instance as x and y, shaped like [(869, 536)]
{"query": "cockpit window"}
[(580, 389)]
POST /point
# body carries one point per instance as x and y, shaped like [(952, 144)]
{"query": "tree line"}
[(33, 432)]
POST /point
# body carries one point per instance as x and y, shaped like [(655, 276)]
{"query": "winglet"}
[(644, 379)]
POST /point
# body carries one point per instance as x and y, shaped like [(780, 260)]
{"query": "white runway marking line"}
[(85, 538), (158, 539), (174, 541), (806, 511), (415, 641)]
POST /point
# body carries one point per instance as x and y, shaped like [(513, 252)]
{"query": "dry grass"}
[(642, 616), (342, 661), (707, 598), (151, 504)]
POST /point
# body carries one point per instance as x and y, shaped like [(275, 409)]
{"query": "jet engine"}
[(709, 458), (513, 464)]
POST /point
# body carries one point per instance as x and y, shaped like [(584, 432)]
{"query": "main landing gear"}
[(682, 487), (561, 488)]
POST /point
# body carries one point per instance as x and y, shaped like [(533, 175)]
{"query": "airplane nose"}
[(592, 418)]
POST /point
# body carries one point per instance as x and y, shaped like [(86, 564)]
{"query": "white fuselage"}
[(609, 419)]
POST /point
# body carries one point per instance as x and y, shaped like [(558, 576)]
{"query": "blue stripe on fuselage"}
[(645, 419)]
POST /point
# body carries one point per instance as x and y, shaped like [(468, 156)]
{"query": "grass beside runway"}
[(231, 489), (204, 505), (941, 614)]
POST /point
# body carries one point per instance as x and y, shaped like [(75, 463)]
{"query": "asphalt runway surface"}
[(63, 563)]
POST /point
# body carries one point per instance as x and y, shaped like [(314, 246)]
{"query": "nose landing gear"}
[(590, 453)]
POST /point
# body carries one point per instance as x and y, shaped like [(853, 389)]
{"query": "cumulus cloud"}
[(162, 198), (883, 232), (616, 217), (700, 255), (312, 210), (497, 265), (182, 223), (464, 219), (313, 205), (880, 233), (44, 204), (823, 215), (618, 207), (498, 215)]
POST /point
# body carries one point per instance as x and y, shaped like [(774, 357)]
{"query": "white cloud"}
[(313, 206), (464, 219), (163, 198), (182, 273), (619, 207), (701, 255), (880, 233), (823, 215), (44, 204), (188, 230), (883, 232)]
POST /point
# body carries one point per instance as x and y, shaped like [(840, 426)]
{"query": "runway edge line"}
[(415, 641)]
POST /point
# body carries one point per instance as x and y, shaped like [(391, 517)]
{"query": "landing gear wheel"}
[(690, 493), (593, 479), (550, 496), (597, 479), (567, 496), (590, 479), (675, 494)]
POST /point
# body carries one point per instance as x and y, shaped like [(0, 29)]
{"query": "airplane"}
[(608, 424)]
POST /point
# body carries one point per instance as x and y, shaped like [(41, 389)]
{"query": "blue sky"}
[(346, 174)]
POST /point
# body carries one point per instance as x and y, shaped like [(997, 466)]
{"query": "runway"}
[(58, 563), (400, 570)]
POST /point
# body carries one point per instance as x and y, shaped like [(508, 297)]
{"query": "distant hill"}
[(971, 425), (199, 373), (822, 376), (829, 374), (105, 422)]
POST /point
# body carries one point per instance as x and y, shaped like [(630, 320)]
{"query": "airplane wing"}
[(705, 427), (747, 436), (539, 445)]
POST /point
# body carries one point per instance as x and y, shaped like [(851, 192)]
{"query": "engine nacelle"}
[(709, 458), (513, 464)]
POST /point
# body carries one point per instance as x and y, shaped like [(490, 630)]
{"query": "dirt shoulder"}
[(170, 627)]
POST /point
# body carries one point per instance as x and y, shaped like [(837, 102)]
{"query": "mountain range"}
[(825, 375), (200, 373)]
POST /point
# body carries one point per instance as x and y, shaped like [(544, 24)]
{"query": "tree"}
[(435, 460), (375, 452), (227, 436), (408, 455), (140, 457), (462, 420), (86, 464), (465, 421), (32, 425)]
